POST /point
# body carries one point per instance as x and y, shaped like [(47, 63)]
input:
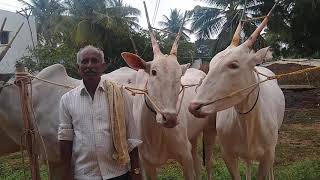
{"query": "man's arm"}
[(135, 166), (66, 154), (65, 137)]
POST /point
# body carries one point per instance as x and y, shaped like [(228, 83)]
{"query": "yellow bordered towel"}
[(115, 100)]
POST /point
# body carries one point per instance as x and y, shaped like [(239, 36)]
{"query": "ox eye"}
[(233, 65), (153, 72)]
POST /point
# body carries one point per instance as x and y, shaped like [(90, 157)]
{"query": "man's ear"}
[(184, 67), (78, 67), (135, 62), (261, 55), (104, 66)]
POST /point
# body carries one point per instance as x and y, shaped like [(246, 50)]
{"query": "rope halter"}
[(156, 108)]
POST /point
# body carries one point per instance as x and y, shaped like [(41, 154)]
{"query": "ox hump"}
[(52, 71)]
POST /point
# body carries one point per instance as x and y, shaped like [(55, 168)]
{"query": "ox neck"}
[(249, 103), (248, 121), (152, 132), (149, 106)]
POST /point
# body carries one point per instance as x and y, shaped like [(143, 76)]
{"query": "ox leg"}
[(231, 163), (265, 166), (187, 162), (209, 136), (151, 171), (196, 160), (248, 169), (271, 175)]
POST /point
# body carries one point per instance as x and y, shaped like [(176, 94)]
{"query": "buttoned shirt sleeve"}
[(132, 131), (65, 131)]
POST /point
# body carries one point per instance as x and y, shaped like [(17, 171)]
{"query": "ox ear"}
[(135, 62), (184, 68), (261, 55)]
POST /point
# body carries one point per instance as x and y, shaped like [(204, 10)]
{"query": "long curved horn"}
[(236, 37), (8, 46), (174, 48), (155, 46), (252, 39)]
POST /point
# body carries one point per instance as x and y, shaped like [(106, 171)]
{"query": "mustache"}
[(90, 70)]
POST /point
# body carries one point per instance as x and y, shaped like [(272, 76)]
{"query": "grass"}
[(297, 155)]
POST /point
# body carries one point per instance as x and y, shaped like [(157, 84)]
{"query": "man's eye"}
[(84, 61)]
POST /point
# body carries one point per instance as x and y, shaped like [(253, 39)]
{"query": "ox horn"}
[(8, 46), (236, 37), (174, 48), (252, 39), (155, 46)]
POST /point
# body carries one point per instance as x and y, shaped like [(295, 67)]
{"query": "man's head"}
[(90, 63)]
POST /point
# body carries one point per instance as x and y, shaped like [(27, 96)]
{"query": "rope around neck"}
[(259, 82)]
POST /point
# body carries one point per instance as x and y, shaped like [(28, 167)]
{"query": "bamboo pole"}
[(24, 84)]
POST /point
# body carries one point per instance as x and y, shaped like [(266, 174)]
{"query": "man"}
[(85, 133)]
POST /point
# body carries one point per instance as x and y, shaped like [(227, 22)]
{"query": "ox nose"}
[(170, 120), (194, 106)]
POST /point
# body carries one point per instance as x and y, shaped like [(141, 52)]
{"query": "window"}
[(4, 38)]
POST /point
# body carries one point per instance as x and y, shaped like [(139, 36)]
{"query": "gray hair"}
[(87, 48)]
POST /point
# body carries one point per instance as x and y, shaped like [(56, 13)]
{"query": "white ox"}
[(248, 121), (45, 100), (167, 133)]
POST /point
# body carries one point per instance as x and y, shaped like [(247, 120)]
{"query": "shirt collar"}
[(83, 89)]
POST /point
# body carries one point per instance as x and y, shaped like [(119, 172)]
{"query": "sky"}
[(164, 8)]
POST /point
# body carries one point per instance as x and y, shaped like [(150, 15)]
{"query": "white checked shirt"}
[(86, 122)]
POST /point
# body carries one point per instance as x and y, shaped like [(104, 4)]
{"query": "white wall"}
[(23, 40)]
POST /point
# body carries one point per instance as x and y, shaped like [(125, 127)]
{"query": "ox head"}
[(163, 83), (229, 71)]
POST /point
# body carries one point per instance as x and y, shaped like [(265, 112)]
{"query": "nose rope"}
[(153, 102), (237, 92)]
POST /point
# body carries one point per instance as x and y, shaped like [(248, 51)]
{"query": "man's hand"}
[(135, 176), (66, 153), (135, 171)]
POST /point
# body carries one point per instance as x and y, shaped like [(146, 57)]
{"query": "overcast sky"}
[(164, 8)]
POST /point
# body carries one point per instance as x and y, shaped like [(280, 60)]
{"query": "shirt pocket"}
[(104, 139)]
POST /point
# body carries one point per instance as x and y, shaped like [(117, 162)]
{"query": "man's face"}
[(91, 66)]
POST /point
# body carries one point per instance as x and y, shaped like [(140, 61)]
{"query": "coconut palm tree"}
[(96, 20), (221, 19), (47, 13), (173, 23)]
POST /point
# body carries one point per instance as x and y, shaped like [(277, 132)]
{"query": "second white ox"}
[(249, 114)]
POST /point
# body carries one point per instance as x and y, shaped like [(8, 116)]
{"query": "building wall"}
[(23, 40)]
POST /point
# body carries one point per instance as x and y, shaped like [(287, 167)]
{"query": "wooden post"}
[(23, 82)]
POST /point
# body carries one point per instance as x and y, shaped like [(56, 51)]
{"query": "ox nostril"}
[(169, 116), (194, 106)]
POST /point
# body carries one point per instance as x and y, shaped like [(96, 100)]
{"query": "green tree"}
[(107, 24), (221, 20), (305, 28), (292, 30), (173, 23), (47, 14)]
